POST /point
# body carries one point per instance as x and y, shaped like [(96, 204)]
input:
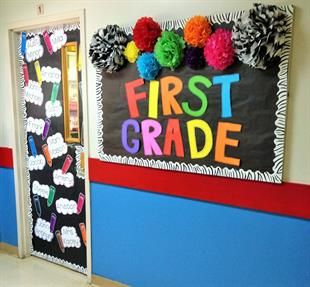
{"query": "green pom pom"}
[(169, 50)]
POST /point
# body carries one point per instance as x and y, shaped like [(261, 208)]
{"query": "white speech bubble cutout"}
[(36, 163), (70, 237), (34, 49), (33, 93), (42, 230), (53, 109), (35, 125), (66, 206), (66, 179), (56, 145), (58, 39), (50, 75), (40, 189)]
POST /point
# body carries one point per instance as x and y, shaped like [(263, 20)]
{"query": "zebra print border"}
[(279, 140), (22, 107)]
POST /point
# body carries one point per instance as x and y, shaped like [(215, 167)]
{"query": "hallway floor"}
[(35, 272)]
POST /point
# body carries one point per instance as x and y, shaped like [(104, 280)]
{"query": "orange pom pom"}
[(197, 30)]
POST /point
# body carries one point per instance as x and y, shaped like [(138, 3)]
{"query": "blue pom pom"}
[(148, 67)]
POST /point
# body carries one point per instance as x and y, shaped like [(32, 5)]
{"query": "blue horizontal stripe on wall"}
[(8, 225), (150, 240)]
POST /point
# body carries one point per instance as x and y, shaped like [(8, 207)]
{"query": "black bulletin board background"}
[(45, 176), (253, 101)]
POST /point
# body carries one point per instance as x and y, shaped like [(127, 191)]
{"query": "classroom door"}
[(50, 79)]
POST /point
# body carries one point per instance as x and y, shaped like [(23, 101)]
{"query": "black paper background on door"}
[(45, 176)]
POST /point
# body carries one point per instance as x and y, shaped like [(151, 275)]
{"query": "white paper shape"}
[(50, 75), (33, 93), (53, 109), (35, 125), (40, 189), (36, 163), (56, 145), (42, 230), (70, 237), (66, 206), (66, 179), (34, 49), (58, 39)]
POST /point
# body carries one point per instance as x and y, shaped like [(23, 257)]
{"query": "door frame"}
[(21, 185)]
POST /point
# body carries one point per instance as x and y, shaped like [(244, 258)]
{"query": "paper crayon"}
[(26, 74), (32, 146), (53, 222), (46, 128), (82, 161), (38, 72), (47, 154), (51, 195), (67, 164), (54, 93), (60, 242), (23, 43), (48, 43), (83, 232), (37, 205), (80, 203)]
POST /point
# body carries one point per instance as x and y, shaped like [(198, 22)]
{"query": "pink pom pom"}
[(219, 52)]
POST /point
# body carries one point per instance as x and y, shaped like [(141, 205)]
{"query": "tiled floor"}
[(35, 272)]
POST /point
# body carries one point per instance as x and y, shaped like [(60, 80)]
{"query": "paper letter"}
[(173, 134), (133, 97), (135, 143), (153, 99), (168, 95), (222, 141), (205, 128), (226, 80), (151, 129)]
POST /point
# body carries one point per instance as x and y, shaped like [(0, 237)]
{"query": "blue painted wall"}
[(151, 240), (8, 227)]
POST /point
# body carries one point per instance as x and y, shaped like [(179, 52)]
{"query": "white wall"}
[(101, 13)]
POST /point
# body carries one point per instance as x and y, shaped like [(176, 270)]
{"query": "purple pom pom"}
[(194, 58)]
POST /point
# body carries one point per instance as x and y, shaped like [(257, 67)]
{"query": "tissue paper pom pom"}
[(107, 47), (219, 51), (131, 52), (194, 58), (145, 33), (148, 67), (259, 35), (169, 50), (197, 30)]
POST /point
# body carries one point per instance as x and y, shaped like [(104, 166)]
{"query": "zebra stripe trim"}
[(279, 132), (22, 108)]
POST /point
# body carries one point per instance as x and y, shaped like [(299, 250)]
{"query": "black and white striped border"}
[(275, 176), (66, 28)]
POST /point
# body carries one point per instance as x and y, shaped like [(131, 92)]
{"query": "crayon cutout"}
[(47, 155), (26, 74), (46, 128), (59, 240), (32, 146), (48, 43), (80, 203), (23, 44), (66, 164), (51, 195), (37, 205), (83, 232), (38, 72), (53, 222), (54, 93)]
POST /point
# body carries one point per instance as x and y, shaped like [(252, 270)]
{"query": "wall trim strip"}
[(290, 199)]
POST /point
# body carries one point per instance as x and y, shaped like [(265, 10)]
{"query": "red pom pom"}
[(219, 52), (145, 34)]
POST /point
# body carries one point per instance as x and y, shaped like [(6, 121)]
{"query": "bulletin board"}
[(56, 187), (244, 119)]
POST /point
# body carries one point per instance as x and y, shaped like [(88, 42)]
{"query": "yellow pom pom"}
[(131, 52)]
